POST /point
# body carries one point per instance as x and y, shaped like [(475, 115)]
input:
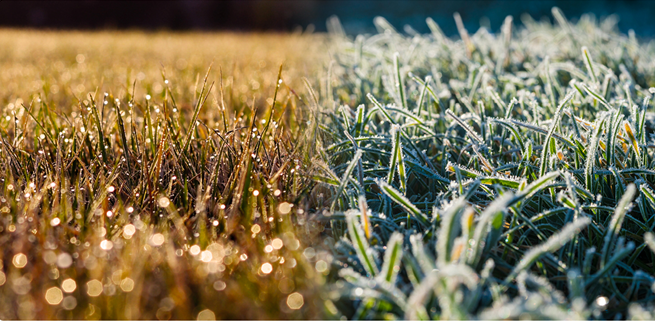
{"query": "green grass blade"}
[(448, 231), (553, 126), (617, 221), (589, 64), (392, 256), (346, 177), (400, 85), (401, 200), (361, 245), (552, 244)]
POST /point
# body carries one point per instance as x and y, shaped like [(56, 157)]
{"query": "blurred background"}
[(287, 15)]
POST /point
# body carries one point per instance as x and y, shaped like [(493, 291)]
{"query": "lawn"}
[(393, 175), (491, 176), (155, 176)]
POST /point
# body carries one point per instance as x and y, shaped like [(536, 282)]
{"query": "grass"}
[(155, 176), (415, 176), (498, 176)]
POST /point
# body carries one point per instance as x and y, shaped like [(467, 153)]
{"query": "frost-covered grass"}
[(135, 183), (491, 176)]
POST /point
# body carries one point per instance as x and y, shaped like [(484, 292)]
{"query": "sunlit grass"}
[(188, 176), (139, 182)]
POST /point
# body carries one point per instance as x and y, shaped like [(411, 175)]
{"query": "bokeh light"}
[(295, 301), (54, 296), (94, 288), (68, 285), (19, 260)]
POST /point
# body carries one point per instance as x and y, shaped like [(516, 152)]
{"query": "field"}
[(388, 176), (154, 176), (496, 176)]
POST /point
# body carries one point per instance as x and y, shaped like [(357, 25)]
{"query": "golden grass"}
[(170, 218)]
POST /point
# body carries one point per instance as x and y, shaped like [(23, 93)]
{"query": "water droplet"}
[(64, 260), (206, 256), (94, 288), (164, 201), (106, 245), (127, 285), (219, 285), (309, 253), (69, 303), (54, 296), (277, 243), (267, 268), (295, 301), (68, 285), (206, 315), (157, 239), (19, 260), (284, 208), (128, 231), (255, 228), (321, 266)]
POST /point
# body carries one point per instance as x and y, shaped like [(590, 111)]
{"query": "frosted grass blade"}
[(589, 64), (401, 200), (534, 187), (590, 163), (400, 86), (361, 245), (346, 177), (616, 222), (449, 229), (490, 220), (553, 126), (552, 244), (392, 256)]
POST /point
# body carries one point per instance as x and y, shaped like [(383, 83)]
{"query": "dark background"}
[(287, 15)]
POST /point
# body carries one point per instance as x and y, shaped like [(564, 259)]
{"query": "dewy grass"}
[(136, 183), (528, 172)]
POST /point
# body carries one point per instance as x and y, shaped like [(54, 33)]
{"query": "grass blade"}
[(401, 200), (616, 222), (392, 256), (552, 244), (346, 177), (361, 245), (553, 126)]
